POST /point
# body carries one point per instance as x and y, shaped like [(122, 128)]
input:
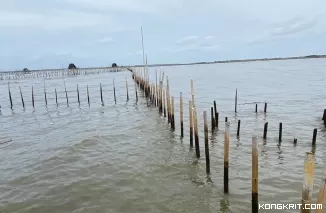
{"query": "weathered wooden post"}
[(88, 100), (115, 98), (309, 167), (33, 97), (66, 94), (265, 107), (314, 137), (212, 119), (321, 195), (191, 134), (216, 115), (45, 98), (10, 98), (238, 129), (172, 114), (280, 133), (208, 170), (226, 156), (22, 98), (236, 101), (181, 115), (127, 89), (254, 194), (265, 130), (56, 96), (101, 94), (78, 95)]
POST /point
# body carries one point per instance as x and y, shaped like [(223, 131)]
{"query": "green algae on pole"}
[(254, 175), (208, 170), (226, 157)]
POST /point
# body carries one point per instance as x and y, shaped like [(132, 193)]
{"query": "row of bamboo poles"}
[(55, 96), (156, 94), (57, 72)]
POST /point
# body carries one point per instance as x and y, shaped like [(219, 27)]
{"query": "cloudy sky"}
[(53, 33)]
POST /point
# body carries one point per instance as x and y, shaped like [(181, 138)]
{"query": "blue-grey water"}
[(124, 158)]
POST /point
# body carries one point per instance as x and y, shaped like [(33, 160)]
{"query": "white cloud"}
[(187, 39), (58, 20), (209, 37)]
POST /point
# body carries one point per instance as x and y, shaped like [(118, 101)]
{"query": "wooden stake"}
[(78, 95), (236, 101), (127, 89), (115, 99), (172, 114), (321, 195), (191, 134), (101, 94), (265, 107), (10, 99), (56, 96), (88, 100), (265, 130), (206, 144), (181, 115), (226, 156), (314, 137), (216, 115), (212, 119), (45, 98), (309, 167), (238, 129), (280, 133), (254, 195), (66, 94), (22, 98)]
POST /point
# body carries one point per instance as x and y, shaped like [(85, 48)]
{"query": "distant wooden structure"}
[(72, 68)]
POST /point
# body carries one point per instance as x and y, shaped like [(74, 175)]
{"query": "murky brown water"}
[(124, 158)]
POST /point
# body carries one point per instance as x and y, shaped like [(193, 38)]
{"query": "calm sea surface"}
[(124, 158)]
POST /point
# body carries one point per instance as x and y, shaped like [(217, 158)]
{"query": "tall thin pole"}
[(142, 42)]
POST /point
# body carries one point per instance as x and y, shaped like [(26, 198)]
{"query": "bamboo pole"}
[(307, 189), (321, 195)]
